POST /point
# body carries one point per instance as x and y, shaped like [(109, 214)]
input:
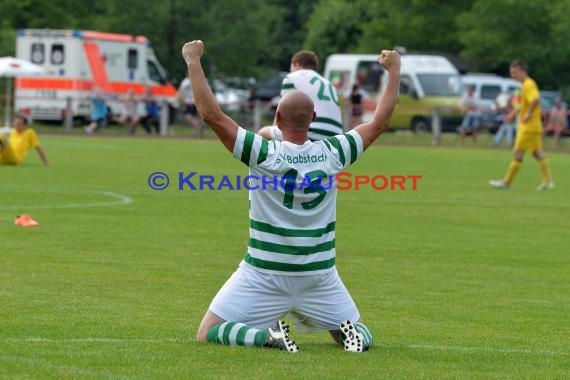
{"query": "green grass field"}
[(456, 280)]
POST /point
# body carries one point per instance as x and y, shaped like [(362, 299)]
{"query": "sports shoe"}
[(350, 338), (278, 337), (25, 220), (498, 184), (546, 186)]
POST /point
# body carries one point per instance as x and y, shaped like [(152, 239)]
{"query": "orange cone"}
[(25, 220)]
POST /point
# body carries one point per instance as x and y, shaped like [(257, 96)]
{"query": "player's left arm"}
[(42, 154), (222, 125), (384, 109), (35, 142)]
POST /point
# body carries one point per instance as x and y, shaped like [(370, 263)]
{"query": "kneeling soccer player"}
[(289, 266)]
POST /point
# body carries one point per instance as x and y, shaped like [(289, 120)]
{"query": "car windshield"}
[(440, 84)]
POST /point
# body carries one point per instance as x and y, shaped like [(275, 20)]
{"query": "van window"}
[(512, 89), (38, 54), (368, 75), (132, 59), (57, 55), (440, 84), (154, 73), (339, 79), (490, 92)]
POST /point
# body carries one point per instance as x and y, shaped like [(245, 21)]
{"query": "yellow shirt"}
[(529, 93), (18, 146)]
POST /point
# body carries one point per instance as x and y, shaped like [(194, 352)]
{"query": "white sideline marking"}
[(505, 350), (119, 200)]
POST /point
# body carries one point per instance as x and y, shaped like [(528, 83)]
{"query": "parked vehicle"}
[(77, 61), (426, 82), (230, 99), (269, 89), (487, 88)]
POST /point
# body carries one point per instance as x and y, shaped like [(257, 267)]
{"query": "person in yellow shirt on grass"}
[(14, 149), (529, 130)]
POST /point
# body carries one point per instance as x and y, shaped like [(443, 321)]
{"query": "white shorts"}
[(314, 303)]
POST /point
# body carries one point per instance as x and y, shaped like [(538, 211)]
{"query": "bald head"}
[(295, 111)]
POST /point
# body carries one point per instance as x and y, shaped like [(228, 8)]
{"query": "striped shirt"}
[(325, 98), (292, 214)]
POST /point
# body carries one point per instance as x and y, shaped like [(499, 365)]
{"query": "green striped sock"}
[(364, 331), (366, 334), (236, 334)]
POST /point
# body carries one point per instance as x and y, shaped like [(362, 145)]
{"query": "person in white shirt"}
[(472, 115), (305, 78), (189, 111)]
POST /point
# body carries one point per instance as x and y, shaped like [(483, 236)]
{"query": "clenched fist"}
[(390, 60), (192, 50)]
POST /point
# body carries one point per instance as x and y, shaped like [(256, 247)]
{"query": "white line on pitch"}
[(120, 199), (505, 350)]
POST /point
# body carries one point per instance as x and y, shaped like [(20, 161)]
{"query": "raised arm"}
[(380, 122), (222, 125)]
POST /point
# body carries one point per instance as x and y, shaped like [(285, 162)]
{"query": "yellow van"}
[(426, 82)]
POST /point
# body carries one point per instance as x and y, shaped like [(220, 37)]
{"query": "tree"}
[(417, 25), (336, 27), (537, 32)]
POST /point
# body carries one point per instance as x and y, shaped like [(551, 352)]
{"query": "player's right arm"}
[(222, 125), (380, 122)]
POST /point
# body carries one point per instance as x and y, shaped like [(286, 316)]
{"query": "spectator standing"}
[(189, 112), (472, 115), (557, 121), (508, 126), (355, 97), (130, 116), (152, 117), (99, 112)]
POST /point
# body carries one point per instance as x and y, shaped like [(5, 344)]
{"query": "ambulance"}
[(78, 61), (426, 82)]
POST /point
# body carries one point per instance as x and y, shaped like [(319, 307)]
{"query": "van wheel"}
[(420, 125)]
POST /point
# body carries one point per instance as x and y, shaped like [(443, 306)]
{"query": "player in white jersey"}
[(289, 266), (305, 78)]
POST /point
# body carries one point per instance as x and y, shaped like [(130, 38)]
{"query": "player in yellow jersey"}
[(529, 130), (20, 141)]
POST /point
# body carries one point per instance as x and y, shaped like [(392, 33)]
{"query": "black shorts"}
[(190, 109)]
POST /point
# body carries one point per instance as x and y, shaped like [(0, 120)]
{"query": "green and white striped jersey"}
[(293, 209), (325, 98)]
